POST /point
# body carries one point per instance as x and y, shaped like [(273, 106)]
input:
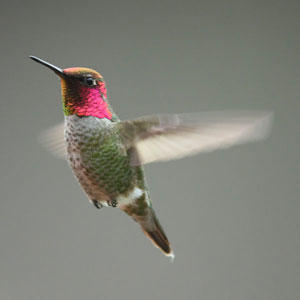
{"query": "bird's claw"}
[(112, 203), (97, 204)]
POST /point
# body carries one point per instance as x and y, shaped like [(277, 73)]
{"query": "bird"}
[(107, 155)]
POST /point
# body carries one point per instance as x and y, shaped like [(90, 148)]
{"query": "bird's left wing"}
[(166, 137)]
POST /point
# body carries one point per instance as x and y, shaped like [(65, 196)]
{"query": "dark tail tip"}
[(158, 239), (156, 234)]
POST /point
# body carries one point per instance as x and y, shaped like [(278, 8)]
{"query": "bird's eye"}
[(90, 81)]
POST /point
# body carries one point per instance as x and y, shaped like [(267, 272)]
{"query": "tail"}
[(153, 230)]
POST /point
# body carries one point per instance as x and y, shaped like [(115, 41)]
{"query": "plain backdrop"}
[(232, 216)]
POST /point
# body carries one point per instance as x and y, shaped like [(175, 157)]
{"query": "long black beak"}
[(57, 70)]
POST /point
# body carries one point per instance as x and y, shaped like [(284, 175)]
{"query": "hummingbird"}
[(107, 155)]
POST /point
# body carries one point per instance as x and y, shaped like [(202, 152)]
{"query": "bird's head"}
[(83, 91)]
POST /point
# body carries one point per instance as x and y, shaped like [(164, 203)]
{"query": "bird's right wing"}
[(53, 140), (166, 137)]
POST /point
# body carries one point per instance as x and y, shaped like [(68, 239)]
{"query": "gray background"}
[(232, 216)]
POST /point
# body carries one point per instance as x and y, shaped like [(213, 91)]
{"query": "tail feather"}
[(150, 226), (153, 230)]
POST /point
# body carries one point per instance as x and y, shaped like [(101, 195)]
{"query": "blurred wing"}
[(53, 140), (166, 137)]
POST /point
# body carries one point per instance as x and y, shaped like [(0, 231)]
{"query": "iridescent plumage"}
[(107, 155)]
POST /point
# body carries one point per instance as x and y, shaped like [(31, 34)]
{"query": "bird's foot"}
[(112, 203), (97, 204)]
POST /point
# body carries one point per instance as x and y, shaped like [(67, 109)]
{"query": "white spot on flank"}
[(132, 196)]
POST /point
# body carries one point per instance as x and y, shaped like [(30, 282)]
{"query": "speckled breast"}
[(98, 158)]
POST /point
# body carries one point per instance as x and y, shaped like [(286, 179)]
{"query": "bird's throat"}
[(84, 101)]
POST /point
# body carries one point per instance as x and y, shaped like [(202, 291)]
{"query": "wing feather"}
[(167, 137), (53, 140)]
